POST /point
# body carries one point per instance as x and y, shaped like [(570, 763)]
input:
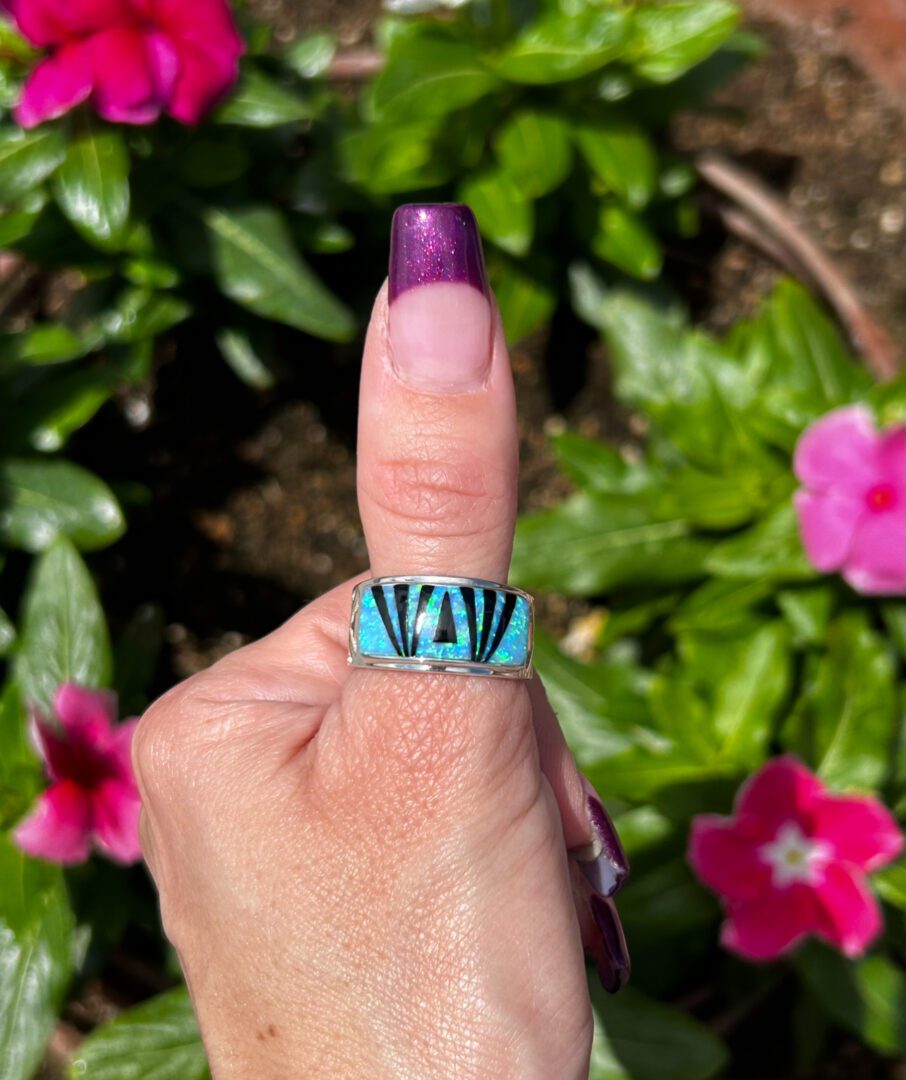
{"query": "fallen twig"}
[(771, 227)]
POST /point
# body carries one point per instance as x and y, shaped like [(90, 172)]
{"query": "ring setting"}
[(453, 625)]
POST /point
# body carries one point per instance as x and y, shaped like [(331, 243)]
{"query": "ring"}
[(460, 626)]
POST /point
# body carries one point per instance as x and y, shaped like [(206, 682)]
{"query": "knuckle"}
[(165, 749), (452, 492)]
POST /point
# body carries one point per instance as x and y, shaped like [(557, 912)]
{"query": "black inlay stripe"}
[(381, 601), (401, 593), (423, 597), (468, 598), (487, 619), (509, 604)]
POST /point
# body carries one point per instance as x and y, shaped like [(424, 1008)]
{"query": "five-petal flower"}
[(793, 860), (92, 798)]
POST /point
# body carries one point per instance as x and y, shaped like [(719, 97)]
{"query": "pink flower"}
[(93, 796), (852, 506), (792, 861), (133, 58)]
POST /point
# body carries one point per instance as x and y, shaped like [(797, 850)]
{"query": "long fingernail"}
[(440, 315), (604, 861), (610, 954)]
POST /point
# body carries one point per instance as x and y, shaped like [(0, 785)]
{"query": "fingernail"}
[(604, 861), (440, 315), (610, 954)]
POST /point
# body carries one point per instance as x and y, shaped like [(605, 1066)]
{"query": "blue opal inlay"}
[(459, 623)]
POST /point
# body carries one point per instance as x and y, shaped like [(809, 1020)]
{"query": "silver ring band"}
[(460, 626)]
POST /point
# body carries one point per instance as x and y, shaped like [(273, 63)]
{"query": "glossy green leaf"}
[(27, 159), (601, 706), (261, 102), (866, 997), (141, 313), (808, 612), (890, 884), (389, 158), (237, 349), (524, 291), (430, 74), (157, 1040), (558, 47), (768, 551), (846, 722), (638, 1038), (671, 38), (623, 238), (749, 693), (7, 633), (592, 543), (534, 148), (311, 56), (92, 186), (37, 956), (622, 156), (504, 214), (63, 405), (17, 222), (41, 500), (51, 343), (257, 265), (63, 631)]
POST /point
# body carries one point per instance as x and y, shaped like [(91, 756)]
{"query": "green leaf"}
[(41, 500), (592, 543), (92, 186), (261, 102), (637, 1038), (601, 706), (770, 550), (808, 612), (894, 616), (257, 266), (54, 411), (534, 148), (867, 997), (16, 223), (36, 958), (389, 158), (63, 632), (430, 74), (52, 343), (846, 721), (558, 47), (237, 349), (891, 885), (142, 313), (749, 692), (311, 56), (157, 1040), (504, 214), (622, 238), (720, 606), (595, 465), (27, 159), (136, 654), (524, 291), (622, 156), (671, 38)]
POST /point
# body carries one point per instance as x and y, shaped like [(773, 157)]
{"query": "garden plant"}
[(168, 170)]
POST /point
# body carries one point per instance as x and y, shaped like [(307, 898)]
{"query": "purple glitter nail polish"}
[(610, 954), (608, 867), (435, 242)]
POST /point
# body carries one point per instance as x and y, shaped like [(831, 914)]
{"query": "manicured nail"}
[(440, 315), (610, 954), (604, 861)]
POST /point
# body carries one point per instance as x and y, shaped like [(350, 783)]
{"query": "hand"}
[(365, 872)]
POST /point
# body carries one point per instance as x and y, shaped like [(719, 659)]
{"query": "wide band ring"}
[(460, 626)]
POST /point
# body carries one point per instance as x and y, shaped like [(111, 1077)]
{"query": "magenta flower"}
[(92, 797), (792, 861), (852, 506), (134, 59)]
